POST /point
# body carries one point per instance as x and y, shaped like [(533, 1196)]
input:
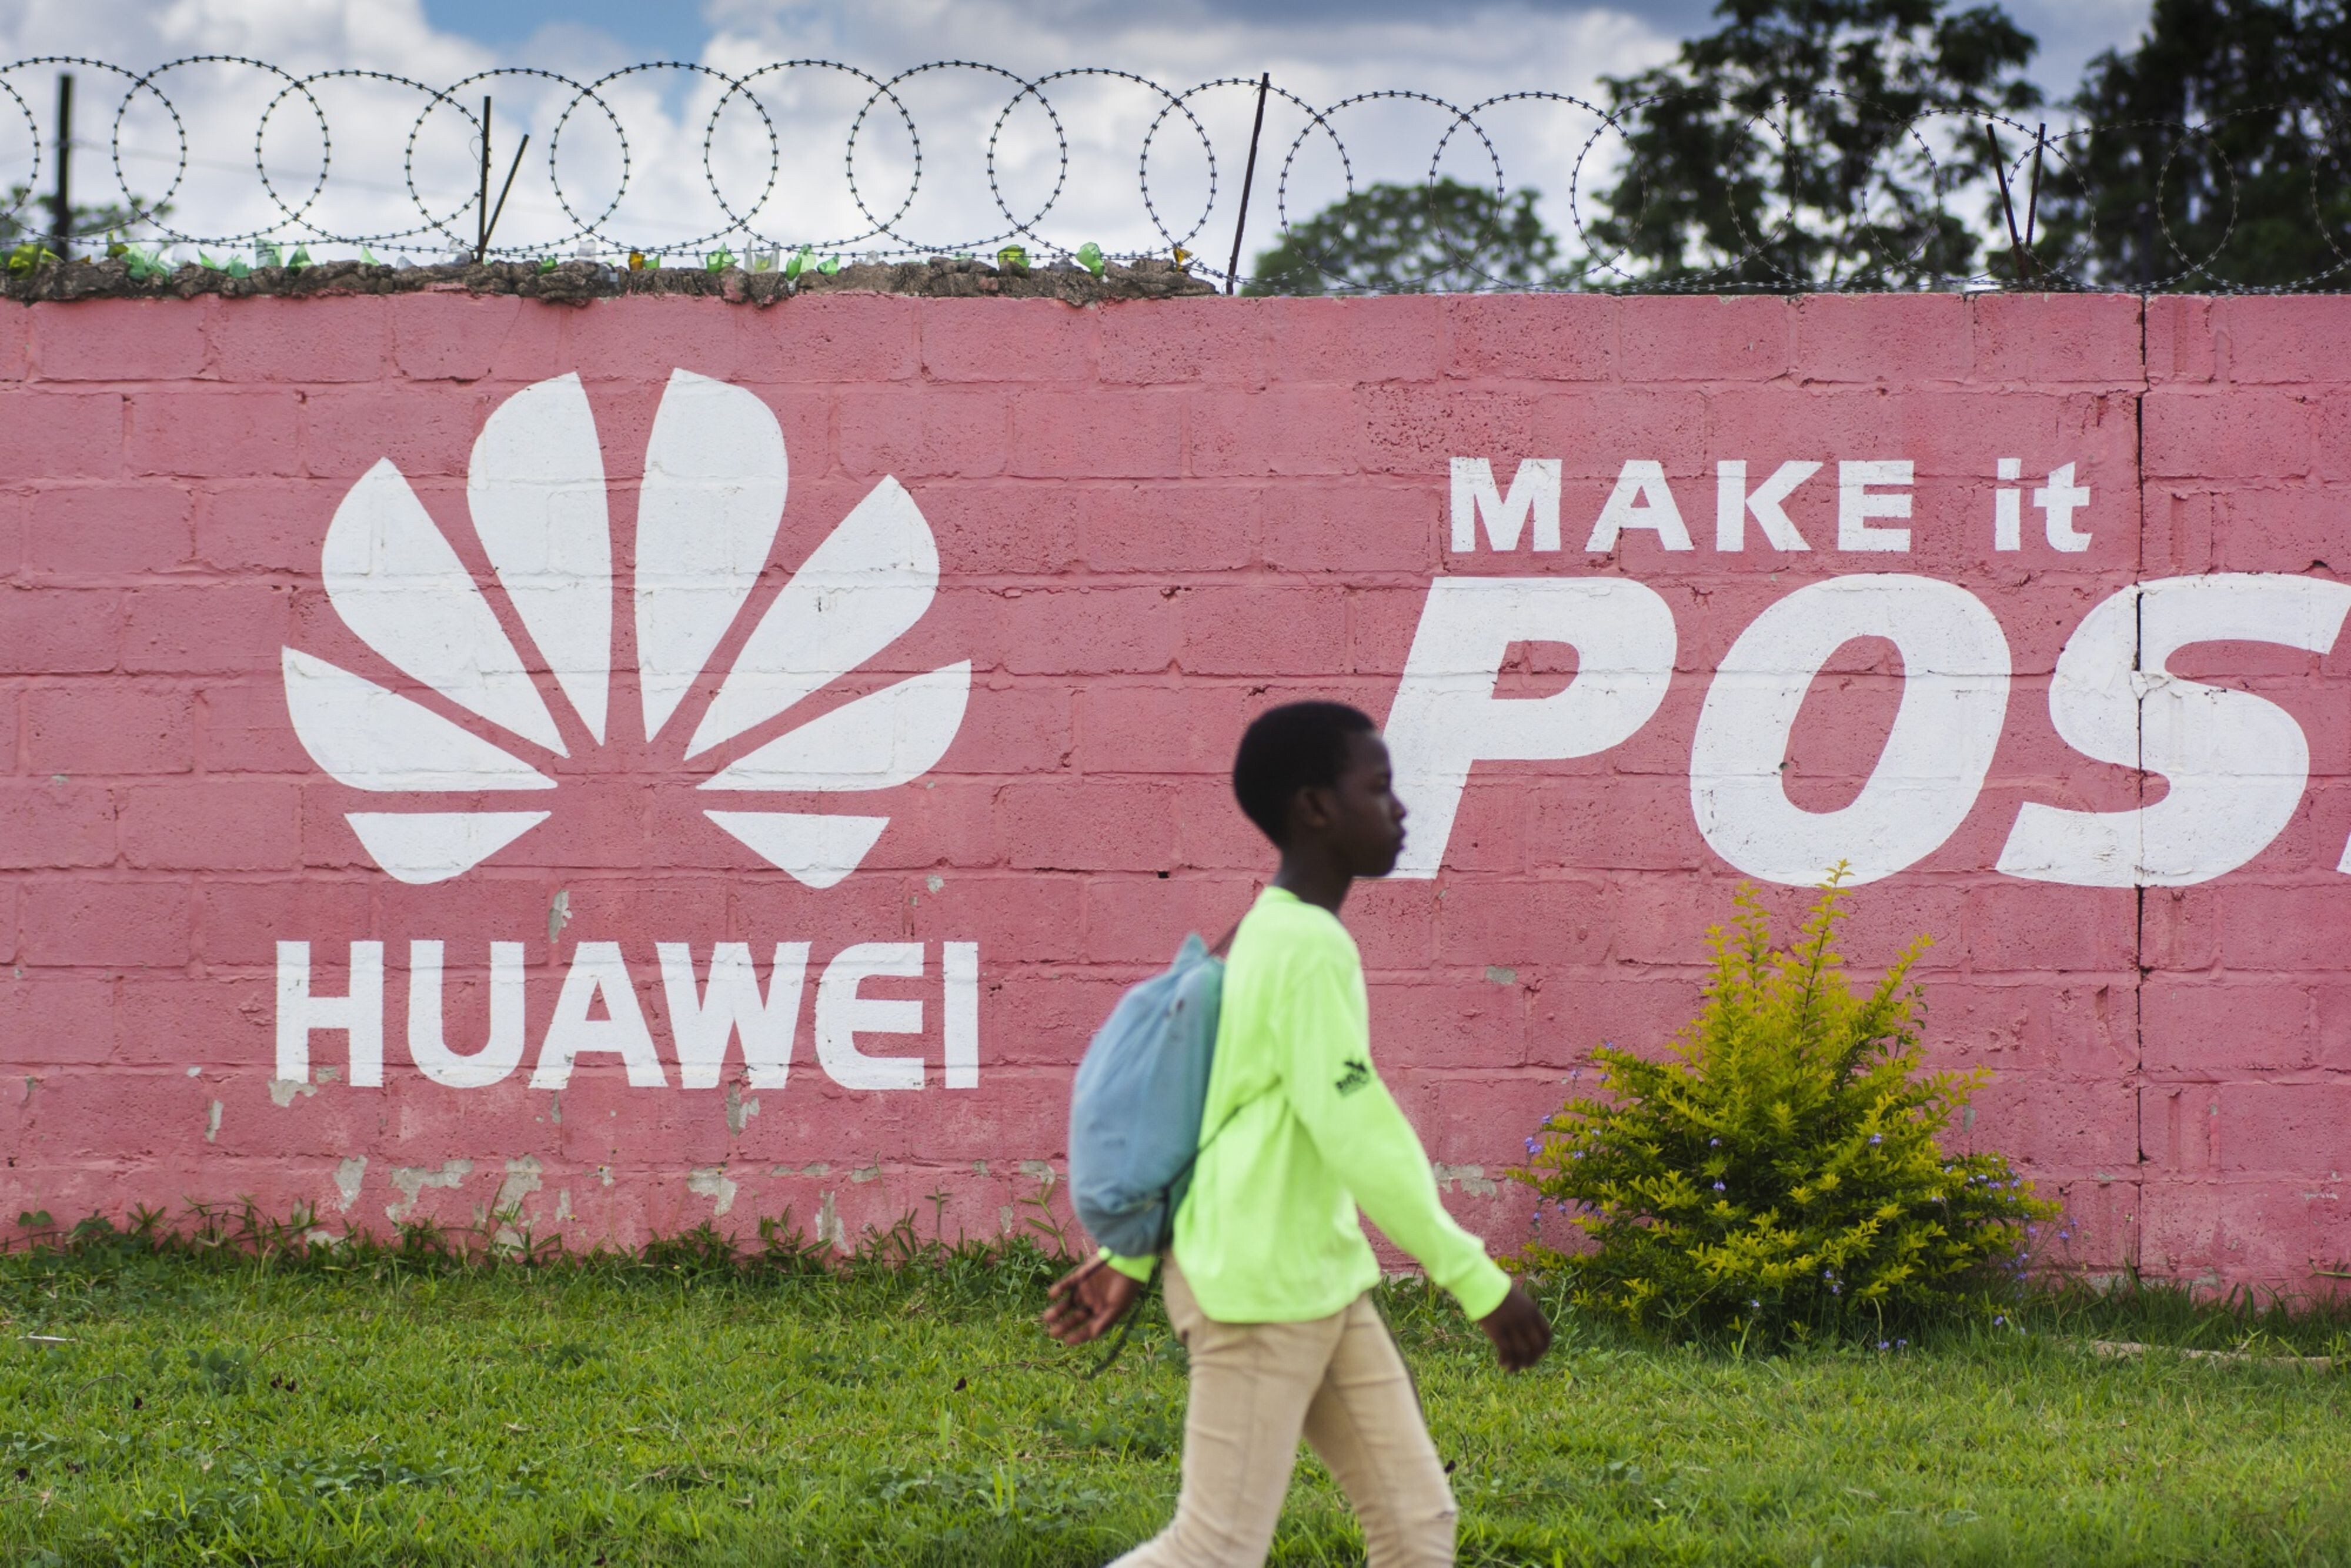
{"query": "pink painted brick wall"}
[(1151, 522)]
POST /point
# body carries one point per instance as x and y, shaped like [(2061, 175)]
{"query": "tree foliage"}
[(27, 216), (1443, 238), (1786, 150), (1780, 1172), (2214, 152)]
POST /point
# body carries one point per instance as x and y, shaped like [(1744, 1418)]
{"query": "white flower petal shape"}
[(536, 488), (371, 738), (419, 847), (712, 501), (817, 851), (396, 582), (713, 498), (857, 593), (878, 742)]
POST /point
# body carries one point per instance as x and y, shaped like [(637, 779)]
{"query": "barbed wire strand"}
[(1882, 249)]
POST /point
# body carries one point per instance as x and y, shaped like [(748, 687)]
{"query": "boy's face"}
[(1358, 816)]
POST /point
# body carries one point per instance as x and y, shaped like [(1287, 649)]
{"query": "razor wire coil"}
[(748, 215)]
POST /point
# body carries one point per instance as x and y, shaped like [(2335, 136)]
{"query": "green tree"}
[(2213, 152), (27, 216), (1443, 238), (1810, 143)]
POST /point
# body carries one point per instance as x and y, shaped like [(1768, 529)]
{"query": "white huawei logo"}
[(711, 504)]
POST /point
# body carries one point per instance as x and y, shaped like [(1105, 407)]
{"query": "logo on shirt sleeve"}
[(1358, 1073)]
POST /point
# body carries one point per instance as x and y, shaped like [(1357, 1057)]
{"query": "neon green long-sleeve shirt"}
[(1299, 1131)]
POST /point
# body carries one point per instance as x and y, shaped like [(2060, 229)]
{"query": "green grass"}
[(213, 1409)]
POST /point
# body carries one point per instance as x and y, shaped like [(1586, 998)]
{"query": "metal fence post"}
[(1248, 176), (61, 205)]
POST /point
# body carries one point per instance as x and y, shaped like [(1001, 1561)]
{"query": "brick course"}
[(1154, 520)]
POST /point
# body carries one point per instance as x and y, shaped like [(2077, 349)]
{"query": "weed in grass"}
[(1130, 1424)]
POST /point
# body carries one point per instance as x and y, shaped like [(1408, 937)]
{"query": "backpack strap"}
[(1167, 1239), (1125, 1329)]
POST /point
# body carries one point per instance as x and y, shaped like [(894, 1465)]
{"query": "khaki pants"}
[(1256, 1387)]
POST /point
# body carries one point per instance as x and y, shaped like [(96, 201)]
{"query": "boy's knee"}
[(1414, 1533)]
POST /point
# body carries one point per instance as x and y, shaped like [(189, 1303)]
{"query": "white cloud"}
[(782, 155), (1460, 56)]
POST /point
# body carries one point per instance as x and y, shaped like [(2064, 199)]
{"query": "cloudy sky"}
[(679, 159)]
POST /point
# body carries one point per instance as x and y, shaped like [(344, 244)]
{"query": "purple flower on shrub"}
[(1717, 1187), (1876, 1138)]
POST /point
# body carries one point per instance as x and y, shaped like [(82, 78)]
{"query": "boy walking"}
[(1269, 1278)]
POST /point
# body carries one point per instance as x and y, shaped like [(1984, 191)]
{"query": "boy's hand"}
[(1085, 1302), (1519, 1333)]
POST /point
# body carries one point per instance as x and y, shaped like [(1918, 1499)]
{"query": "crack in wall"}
[(2139, 924)]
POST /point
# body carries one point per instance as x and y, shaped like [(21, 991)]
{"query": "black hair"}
[(1298, 746)]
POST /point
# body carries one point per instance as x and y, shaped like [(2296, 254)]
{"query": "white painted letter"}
[(428, 1047), (1732, 503), (2058, 500), (1534, 492), (1856, 506), (2008, 508), (961, 963), (2235, 764), (596, 968), (700, 1024), (360, 1013), (1954, 698), (1447, 717), (840, 1013), (1641, 499)]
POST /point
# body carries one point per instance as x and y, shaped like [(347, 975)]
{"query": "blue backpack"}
[(1134, 1113)]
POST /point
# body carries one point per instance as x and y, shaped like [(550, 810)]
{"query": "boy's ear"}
[(1310, 807)]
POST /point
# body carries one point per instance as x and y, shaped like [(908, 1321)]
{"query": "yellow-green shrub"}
[(1779, 1173)]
